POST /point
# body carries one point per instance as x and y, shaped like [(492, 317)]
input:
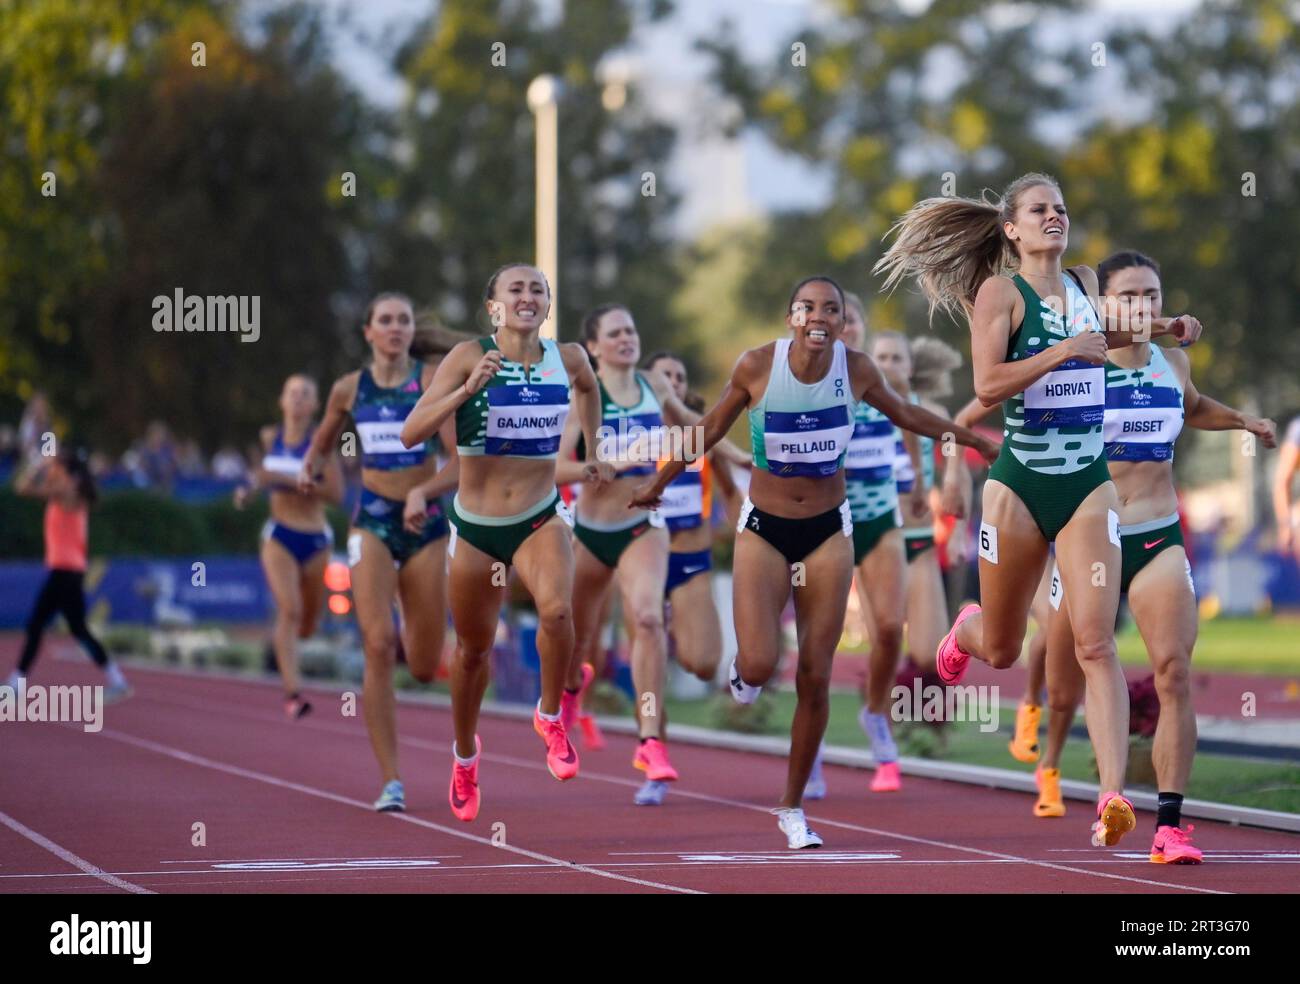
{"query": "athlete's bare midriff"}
[(305, 513), (397, 483), (1145, 488), (607, 505), (693, 539), (494, 485), (798, 497)]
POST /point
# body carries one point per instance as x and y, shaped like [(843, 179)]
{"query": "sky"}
[(721, 180)]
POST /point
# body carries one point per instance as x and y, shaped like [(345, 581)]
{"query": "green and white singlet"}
[(1055, 426), (869, 465), (1053, 455), (516, 417)]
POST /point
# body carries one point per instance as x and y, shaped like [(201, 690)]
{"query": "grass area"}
[(1238, 645), (1220, 778)]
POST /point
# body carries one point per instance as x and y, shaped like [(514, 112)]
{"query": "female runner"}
[(613, 547), (1038, 344), (508, 393), (397, 544), (800, 392), (297, 538), (1149, 398), (69, 492)]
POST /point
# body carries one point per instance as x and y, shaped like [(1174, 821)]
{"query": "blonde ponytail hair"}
[(952, 245), (933, 363)]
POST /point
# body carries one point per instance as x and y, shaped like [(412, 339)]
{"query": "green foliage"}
[(146, 524), (464, 202), (1213, 106)]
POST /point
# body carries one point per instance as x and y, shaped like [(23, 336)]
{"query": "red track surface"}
[(286, 808)]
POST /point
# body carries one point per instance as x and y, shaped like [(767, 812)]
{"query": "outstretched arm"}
[(337, 410), (870, 385), (735, 398)]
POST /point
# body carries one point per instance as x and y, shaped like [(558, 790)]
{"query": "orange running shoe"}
[(951, 660), (463, 796), (652, 759), (1173, 845), (561, 756), (887, 778), (1114, 819), (571, 704), (1050, 803), (1024, 746)]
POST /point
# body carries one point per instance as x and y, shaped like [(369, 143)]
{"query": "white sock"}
[(544, 716), (114, 674), (742, 691), (465, 762)]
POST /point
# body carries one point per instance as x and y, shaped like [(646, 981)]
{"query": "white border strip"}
[(64, 854)]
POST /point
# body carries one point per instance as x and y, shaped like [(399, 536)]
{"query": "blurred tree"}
[(464, 201), (218, 173), (903, 106)]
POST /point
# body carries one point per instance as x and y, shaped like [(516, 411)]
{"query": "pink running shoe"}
[(571, 704), (463, 796), (1173, 845), (592, 738), (887, 778), (652, 759), (561, 756), (1114, 819), (951, 660)]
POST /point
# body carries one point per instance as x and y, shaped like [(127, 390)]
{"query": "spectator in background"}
[(35, 424), (154, 463), (228, 464), (189, 460), (1288, 464)]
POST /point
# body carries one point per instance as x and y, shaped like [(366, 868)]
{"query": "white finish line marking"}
[(64, 854), (364, 864)]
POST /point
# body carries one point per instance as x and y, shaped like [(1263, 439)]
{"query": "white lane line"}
[(64, 854), (719, 800), (235, 770)]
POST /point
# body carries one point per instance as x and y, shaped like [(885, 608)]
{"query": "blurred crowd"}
[(159, 460)]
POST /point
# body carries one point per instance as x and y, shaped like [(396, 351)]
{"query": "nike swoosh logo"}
[(691, 570), (540, 522), (1154, 543), (457, 801), (549, 372), (639, 530), (1156, 375), (571, 757)]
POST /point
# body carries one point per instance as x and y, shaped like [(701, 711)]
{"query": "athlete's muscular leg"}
[(475, 596), (1164, 607), (422, 583), (545, 565), (697, 632), (592, 590), (927, 609), (819, 606), (997, 632), (1090, 567), (883, 572), (374, 586), (642, 570), (760, 587), (1065, 684)]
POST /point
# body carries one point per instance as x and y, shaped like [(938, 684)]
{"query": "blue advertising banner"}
[(150, 592)]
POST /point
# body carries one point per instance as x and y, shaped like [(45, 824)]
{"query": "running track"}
[(286, 808)]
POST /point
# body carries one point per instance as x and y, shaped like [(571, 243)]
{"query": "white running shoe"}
[(651, 793), (795, 827), (740, 690)]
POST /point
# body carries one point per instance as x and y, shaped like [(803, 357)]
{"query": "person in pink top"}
[(69, 491)]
